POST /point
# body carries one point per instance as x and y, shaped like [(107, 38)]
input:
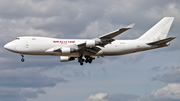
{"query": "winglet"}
[(130, 26)]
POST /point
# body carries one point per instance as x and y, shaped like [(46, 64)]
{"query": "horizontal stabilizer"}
[(163, 41)]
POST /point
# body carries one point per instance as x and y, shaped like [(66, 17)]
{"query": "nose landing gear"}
[(22, 59)]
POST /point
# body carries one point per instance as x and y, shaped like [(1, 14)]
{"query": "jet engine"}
[(67, 50), (66, 58), (90, 43)]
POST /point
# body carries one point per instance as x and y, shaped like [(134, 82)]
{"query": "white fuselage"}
[(39, 45)]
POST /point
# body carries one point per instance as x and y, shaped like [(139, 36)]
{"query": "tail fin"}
[(160, 30)]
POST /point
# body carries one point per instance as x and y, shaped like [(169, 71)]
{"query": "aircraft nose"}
[(9, 46), (6, 46)]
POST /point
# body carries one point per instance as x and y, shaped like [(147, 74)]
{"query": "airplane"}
[(86, 50)]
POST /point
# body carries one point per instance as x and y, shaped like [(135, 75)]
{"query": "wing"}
[(115, 33), (101, 41), (87, 51), (108, 38), (82, 49)]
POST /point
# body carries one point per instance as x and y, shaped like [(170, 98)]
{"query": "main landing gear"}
[(86, 59), (22, 59), (81, 60)]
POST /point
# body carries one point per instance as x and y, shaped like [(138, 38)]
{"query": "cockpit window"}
[(17, 38)]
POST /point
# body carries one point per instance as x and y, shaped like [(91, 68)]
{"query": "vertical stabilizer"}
[(160, 30)]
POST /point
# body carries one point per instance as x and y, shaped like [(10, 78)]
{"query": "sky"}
[(152, 75)]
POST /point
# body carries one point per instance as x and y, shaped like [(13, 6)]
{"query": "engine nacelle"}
[(90, 43), (66, 58), (67, 50)]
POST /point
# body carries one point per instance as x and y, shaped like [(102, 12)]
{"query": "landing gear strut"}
[(22, 59), (81, 60)]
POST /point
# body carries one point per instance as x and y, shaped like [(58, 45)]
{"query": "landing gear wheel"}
[(82, 60), (90, 61), (81, 63), (22, 59)]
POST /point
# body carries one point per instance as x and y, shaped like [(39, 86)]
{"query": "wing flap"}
[(164, 41)]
